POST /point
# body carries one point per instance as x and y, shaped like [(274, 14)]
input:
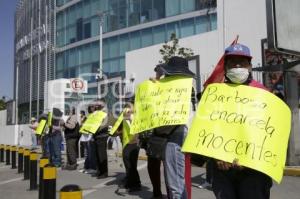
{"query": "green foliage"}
[(172, 48), (2, 105)]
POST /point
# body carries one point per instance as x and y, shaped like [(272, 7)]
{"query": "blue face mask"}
[(237, 75)]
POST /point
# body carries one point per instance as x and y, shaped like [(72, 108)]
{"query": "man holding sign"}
[(237, 124), (164, 106)]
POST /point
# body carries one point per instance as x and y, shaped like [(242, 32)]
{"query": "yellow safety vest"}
[(41, 127), (93, 122)]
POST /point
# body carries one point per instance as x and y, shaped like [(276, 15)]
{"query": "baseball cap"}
[(32, 119), (238, 50)]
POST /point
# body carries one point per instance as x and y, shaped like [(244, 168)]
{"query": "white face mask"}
[(237, 75)]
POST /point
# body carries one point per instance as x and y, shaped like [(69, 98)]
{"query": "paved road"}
[(12, 185)]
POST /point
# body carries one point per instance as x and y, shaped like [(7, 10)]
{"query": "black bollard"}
[(43, 162), (70, 191), (13, 157), (20, 159), (49, 180), (2, 153), (33, 171), (7, 155), (26, 164)]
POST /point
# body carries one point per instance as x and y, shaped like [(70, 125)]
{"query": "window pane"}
[(146, 12), (86, 54), (201, 24), (159, 34), (60, 61), (122, 64), (187, 5), (213, 20), (112, 20), (134, 12), (87, 30), (60, 37), (71, 58), (59, 75), (60, 20), (71, 15), (114, 66), (158, 11), (95, 26), (79, 10), (95, 52), (79, 28), (172, 7), (103, 5), (71, 35), (123, 17), (146, 37), (105, 49), (113, 47), (106, 66), (86, 9), (95, 6), (187, 27), (124, 44), (172, 28), (135, 40)]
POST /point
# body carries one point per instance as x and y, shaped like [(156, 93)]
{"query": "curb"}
[(292, 171)]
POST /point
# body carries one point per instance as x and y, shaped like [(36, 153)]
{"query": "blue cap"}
[(238, 50)]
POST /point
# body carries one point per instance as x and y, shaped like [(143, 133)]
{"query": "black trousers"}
[(240, 184), (130, 159), (101, 155), (153, 167), (71, 151)]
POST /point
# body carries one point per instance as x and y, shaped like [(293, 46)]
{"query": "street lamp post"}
[(100, 76)]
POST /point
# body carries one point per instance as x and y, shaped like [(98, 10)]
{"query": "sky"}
[(7, 9)]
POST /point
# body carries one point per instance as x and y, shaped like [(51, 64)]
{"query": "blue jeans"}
[(174, 164), (45, 146), (90, 157), (55, 140)]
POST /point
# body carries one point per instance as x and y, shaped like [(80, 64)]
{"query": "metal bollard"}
[(20, 159), (7, 151), (49, 180), (33, 171), (43, 162), (2, 153), (13, 157), (71, 191), (26, 164)]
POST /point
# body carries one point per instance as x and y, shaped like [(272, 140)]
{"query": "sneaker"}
[(81, 170), (204, 185), (91, 171)]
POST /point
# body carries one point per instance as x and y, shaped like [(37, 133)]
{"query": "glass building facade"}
[(127, 25), (33, 55)]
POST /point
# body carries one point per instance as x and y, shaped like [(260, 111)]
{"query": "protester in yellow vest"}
[(100, 138), (130, 147)]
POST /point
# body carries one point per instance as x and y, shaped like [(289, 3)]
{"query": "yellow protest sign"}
[(162, 103), (126, 136), (117, 123), (49, 121), (241, 123), (41, 126), (93, 122)]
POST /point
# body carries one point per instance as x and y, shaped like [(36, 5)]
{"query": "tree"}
[(172, 48), (2, 104)]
